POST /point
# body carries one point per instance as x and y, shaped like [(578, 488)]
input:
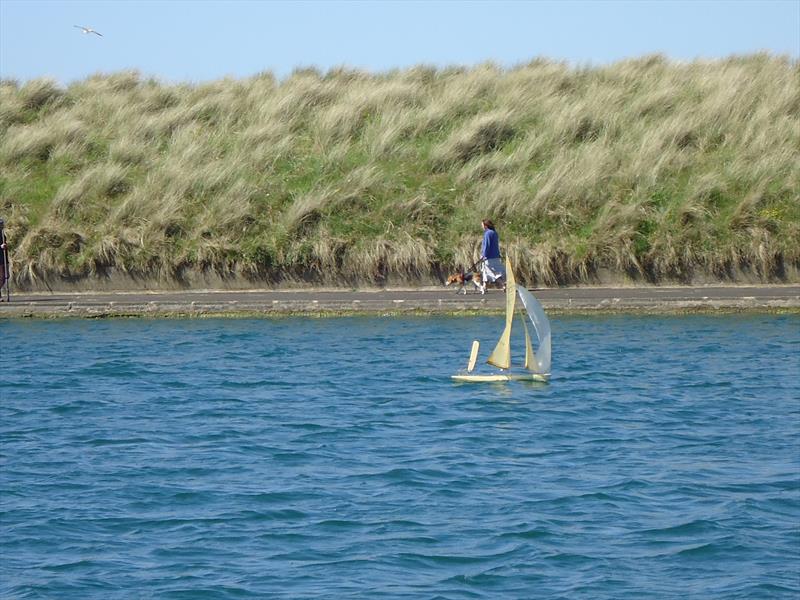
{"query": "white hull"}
[(500, 377)]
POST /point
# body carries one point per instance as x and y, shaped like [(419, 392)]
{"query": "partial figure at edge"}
[(5, 272)]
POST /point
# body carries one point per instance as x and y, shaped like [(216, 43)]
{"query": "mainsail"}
[(501, 355)]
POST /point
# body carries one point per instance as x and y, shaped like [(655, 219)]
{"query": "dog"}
[(462, 278)]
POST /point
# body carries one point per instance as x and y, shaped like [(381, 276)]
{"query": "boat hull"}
[(500, 377)]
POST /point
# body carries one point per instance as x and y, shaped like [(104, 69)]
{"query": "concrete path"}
[(394, 301)]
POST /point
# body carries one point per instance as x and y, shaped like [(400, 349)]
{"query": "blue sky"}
[(196, 40)]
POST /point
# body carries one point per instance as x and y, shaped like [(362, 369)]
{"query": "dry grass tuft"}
[(483, 134)]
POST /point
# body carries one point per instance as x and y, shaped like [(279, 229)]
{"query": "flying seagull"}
[(88, 30)]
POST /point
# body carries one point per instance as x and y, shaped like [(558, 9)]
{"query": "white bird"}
[(88, 30)]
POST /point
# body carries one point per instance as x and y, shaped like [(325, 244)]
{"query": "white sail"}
[(541, 362)]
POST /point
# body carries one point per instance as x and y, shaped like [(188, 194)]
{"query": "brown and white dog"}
[(461, 279)]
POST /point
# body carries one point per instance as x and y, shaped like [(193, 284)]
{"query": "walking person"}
[(492, 268)]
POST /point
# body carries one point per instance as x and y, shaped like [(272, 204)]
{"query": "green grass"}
[(643, 169)]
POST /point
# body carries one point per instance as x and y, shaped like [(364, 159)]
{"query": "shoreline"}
[(328, 302)]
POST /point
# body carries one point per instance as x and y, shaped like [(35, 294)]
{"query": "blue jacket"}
[(491, 244)]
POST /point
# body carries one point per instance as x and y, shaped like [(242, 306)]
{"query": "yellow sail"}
[(501, 356), (473, 356), (530, 357)]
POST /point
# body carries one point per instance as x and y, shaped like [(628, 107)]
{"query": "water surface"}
[(334, 458)]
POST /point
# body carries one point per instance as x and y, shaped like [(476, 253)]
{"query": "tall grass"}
[(642, 170)]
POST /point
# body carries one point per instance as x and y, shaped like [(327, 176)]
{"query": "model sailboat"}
[(537, 364)]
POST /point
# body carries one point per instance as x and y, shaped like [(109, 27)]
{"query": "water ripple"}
[(308, 458)]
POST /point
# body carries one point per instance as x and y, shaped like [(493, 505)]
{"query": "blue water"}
[(334, 458)]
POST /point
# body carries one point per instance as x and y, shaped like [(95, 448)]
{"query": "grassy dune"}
[(644, 169)]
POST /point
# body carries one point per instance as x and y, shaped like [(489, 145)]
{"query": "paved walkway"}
[(394, 301)]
